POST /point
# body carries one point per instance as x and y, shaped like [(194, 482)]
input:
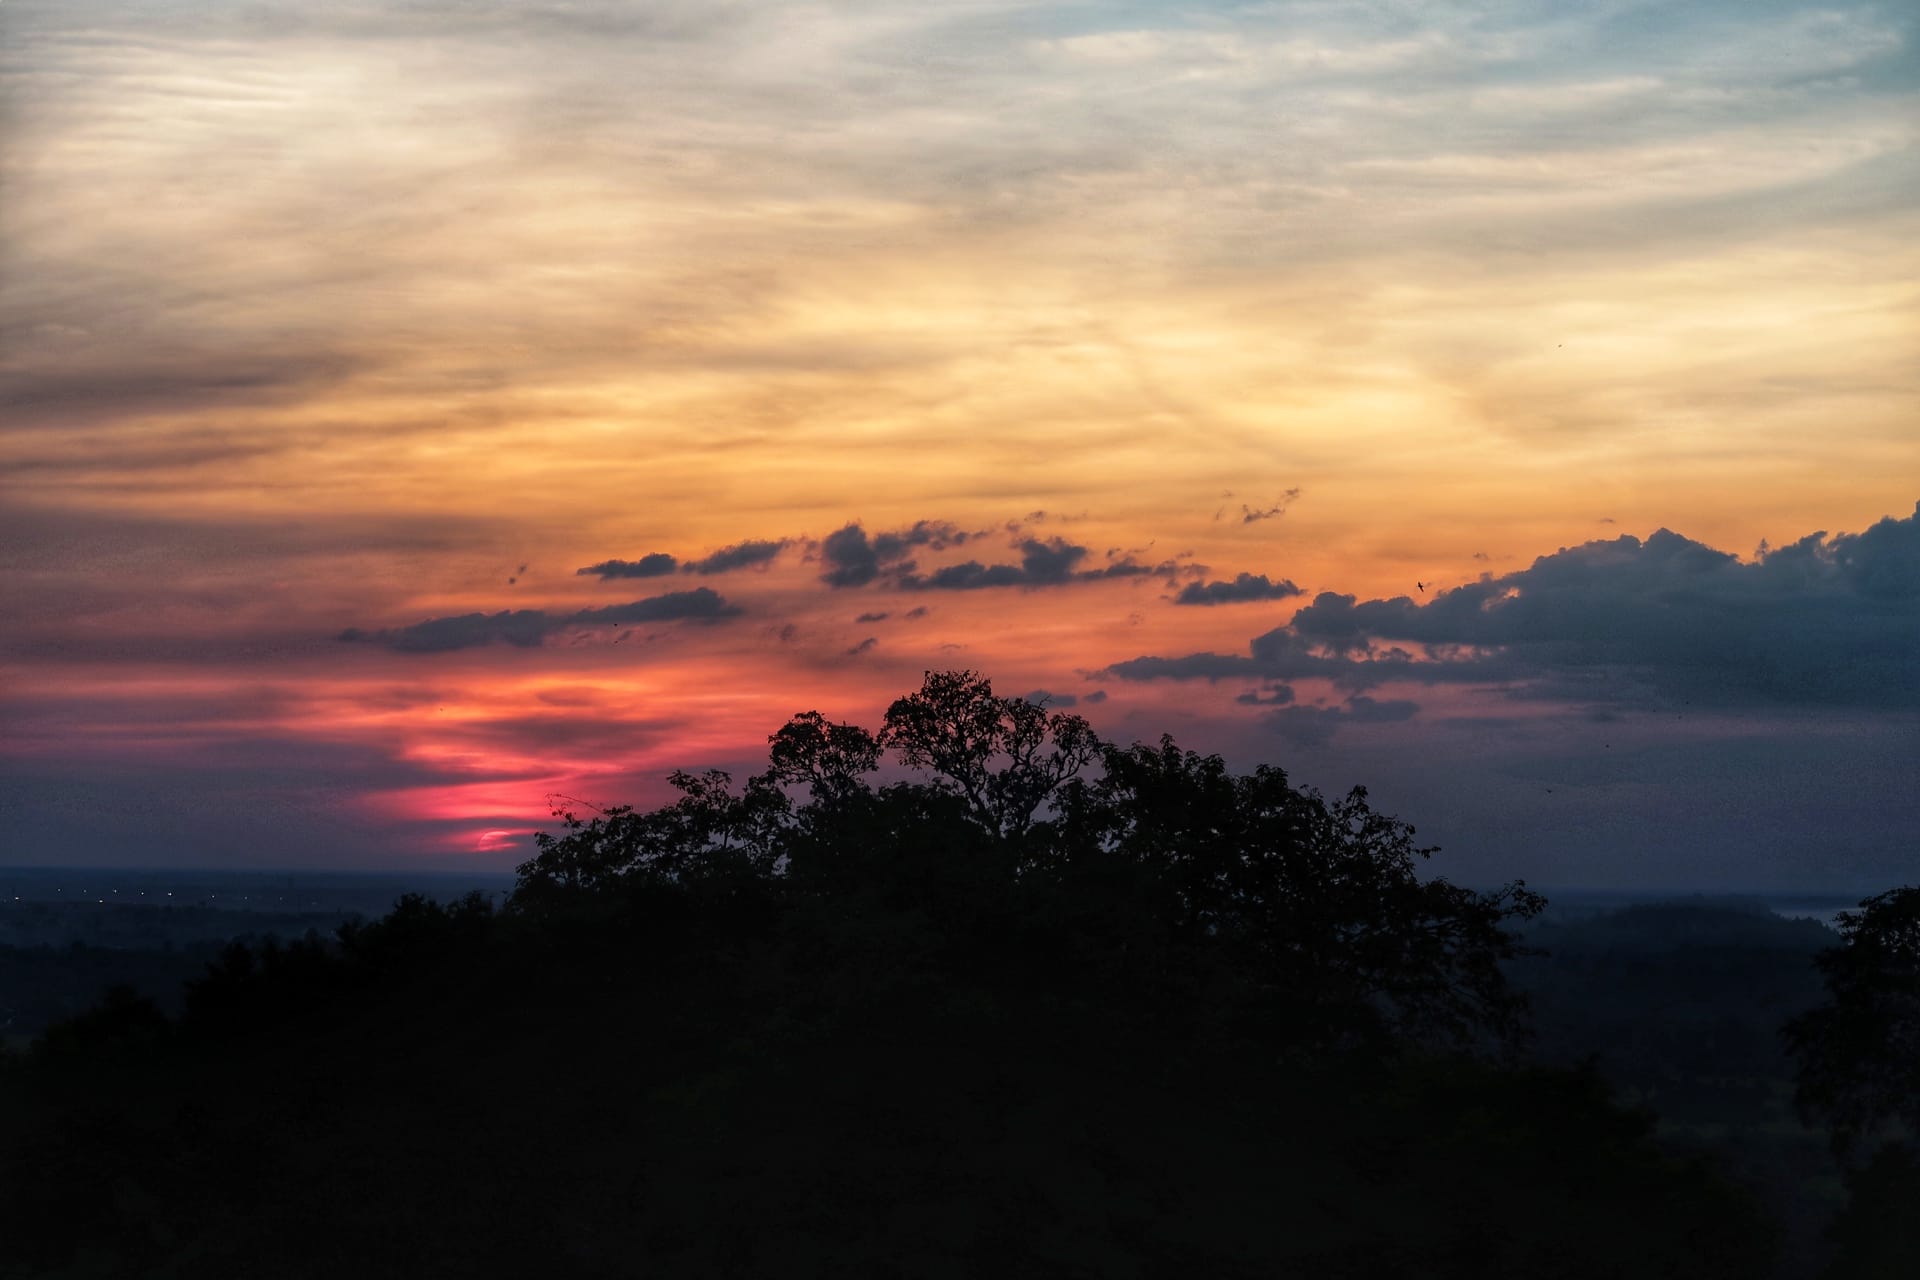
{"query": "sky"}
[(412, 411)]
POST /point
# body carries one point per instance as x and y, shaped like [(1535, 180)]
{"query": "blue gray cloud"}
[(657, 564), (855, 558), (1824, 620), (751, 553), (529, 628), (741, 555), (1049, 562), (1315, 725), (1244, 588)]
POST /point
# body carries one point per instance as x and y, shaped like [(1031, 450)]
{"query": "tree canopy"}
[(1316, 906), (974, 993), (1859, 1053)]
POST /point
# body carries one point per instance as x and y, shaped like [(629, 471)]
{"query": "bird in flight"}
[(1422, 586)]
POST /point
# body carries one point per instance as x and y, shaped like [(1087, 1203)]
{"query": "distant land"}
[(369, 893), (372, 893)]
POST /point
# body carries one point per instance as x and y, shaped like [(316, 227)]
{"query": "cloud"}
[(1277, 695), (655, 565), (658, 564), (702, 604), (1315, 726), (1250, 516), (1042, 563), (741, 555), (881, 616), (1244, 588), (522, 628), (1049, 562), (176, 381), (529, 628), (1097, 696), (865, 646), (854, 559), (1047, 698), (1823, 620)]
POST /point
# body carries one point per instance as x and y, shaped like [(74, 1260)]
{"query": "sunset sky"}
[(414, 409)]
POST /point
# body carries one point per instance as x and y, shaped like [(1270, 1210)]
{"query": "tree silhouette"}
[(1859, 1054), (1005, 756), (1315, 905), (975, 994)]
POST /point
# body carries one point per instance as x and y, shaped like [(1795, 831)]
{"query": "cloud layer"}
[(529, 628), (1822, 620)]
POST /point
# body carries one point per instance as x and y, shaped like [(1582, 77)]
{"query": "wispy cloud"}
[(529, 628)]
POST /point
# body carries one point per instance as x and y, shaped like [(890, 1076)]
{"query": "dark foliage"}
[(1878, 1236), (1050, 1007), (1859, 1071), (1678, 1005), (1859, 1053)]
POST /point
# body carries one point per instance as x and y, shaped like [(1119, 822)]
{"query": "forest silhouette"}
[(976, 993)]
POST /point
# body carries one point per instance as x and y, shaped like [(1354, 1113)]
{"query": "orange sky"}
[(331, 318)]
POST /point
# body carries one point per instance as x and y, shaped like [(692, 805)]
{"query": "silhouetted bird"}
[(1422, 586)]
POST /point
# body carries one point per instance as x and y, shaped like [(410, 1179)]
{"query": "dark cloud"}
[(702, 604), (865, 646), (1824, 620), (1042, 563), (1048, 562), (657, 564), (882, 616), (1249, 515), (1027, 521), (1047, 698), (189, 380), (1193, 666), (1128, 567), (1097, 696), (741, 555), (56, 539), (529, 628), (522, 628), (1244, 588), (1277, 695), (854, 558), (1315, 726), (850, 557), (918, 611)]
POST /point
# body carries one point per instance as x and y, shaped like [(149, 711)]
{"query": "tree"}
[(831, 760), (709, 833), (1321, 899), (1053, 1006), (1005, 756), (1315, 908), (1859, 1054)]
